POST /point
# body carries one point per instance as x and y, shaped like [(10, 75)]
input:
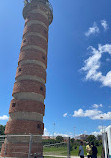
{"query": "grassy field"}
[(75, 152), (51, 157), (63, 151), (55, 151)]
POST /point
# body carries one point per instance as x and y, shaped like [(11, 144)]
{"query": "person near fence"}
[(35, 155), (81, 150), (94, 150), (89, 150)]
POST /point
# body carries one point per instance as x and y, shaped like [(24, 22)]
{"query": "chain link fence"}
[(32, 146), (56, 148)]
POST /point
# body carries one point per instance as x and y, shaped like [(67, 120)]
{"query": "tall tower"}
[(27, 106)]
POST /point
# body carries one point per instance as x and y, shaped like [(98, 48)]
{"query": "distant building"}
[(46, 137), (82, 137)]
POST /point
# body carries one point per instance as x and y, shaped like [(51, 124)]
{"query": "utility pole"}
[(102, 123), (54, 129), (74, 131)]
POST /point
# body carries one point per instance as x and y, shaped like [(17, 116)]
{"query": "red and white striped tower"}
[(27, 106)]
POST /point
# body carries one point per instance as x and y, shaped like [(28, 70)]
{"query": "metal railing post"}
[(68, 148), (5, 146), (30, 146)]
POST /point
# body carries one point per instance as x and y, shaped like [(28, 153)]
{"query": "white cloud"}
[(86, 113), (93, 63), (65, 115), (95, 133), (92, 30), (79, 113), (63, 135), (4, 117), (97, 106), (101, 127), (104, 24), (93, 114), (47, 133), (106, 116)]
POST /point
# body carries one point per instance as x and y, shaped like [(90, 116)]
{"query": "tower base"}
[(22, 157)]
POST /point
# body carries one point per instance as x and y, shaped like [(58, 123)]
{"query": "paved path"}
[(62, 156)]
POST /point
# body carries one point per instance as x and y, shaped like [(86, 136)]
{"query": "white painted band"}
[(31, 22), (30, 77), (24, 139), (35, 34), (33, 62), (40, 12), (32, 116), (29, 96), (34, 47)]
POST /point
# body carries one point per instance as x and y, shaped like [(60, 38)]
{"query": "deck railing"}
[(43, 1)]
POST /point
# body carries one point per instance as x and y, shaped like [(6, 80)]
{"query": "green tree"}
[(59, 139), (91, 138), (72, 140), (2, 129)]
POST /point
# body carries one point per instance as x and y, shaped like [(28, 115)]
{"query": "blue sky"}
[(78, 88)]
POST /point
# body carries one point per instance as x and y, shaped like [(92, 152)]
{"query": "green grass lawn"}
[(74, 152), (55, 150), (63, 151), (51, 157)]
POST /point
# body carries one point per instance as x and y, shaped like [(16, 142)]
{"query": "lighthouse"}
[(27, 105)]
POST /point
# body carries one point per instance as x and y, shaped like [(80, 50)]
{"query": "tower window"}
[(19, 69), (24, 40), (45, 31), (39, 126), (43, 57), (13, 105), (41, 88)]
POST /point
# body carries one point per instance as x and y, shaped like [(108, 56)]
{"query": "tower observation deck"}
[(27, 106)]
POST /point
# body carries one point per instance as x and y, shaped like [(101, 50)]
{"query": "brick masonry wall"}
[(22, 149), (26, 105), (24, 127), (32, 62), (37, 16), (29, 86), (36, 28), (34, 40), (33, 55), (31, 69)]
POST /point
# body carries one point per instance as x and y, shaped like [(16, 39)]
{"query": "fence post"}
[(68, 148), (30, 146), (5, 146)]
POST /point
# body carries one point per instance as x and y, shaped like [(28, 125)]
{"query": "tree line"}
[(2, 130)]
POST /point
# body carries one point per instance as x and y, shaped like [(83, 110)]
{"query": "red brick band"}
[(35, 40), (12, 149), (37, 16), (33, 55), (24, 127), (27, 106), (29, 86), (36, 28), (31, 69)]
